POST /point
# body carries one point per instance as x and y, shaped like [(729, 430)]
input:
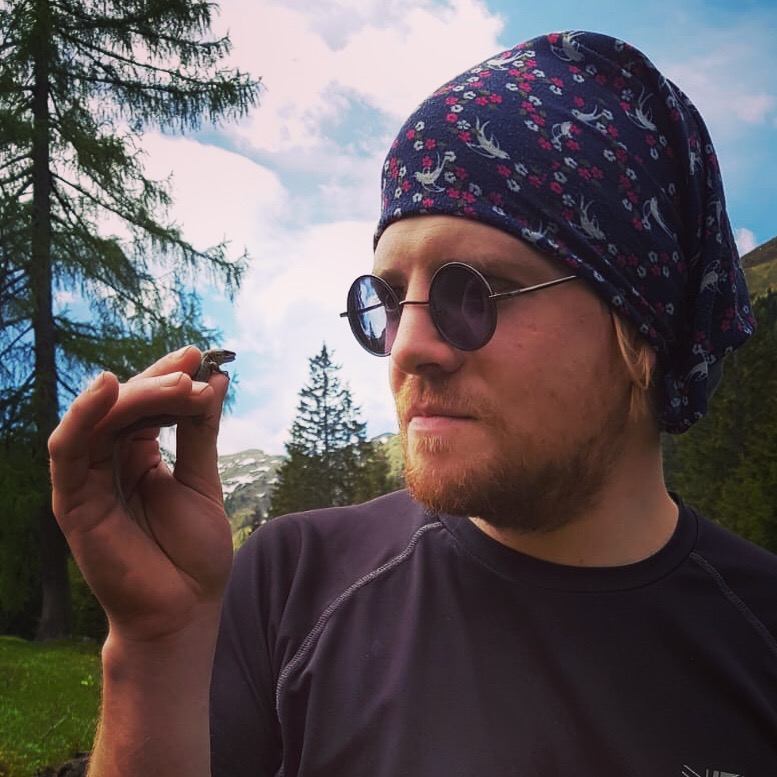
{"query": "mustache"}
[(420, 392)]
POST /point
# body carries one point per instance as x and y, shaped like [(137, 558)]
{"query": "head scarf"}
[(577, 144)]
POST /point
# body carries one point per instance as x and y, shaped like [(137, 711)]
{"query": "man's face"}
[(523, 433)]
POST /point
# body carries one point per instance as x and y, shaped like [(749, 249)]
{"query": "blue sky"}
[(296, 182)]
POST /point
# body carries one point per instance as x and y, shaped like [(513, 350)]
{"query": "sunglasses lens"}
[(460, 307), (373, 313)]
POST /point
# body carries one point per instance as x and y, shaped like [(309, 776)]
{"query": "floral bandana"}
[(575, 143)]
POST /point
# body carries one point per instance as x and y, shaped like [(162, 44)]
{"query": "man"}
[(555, 282)]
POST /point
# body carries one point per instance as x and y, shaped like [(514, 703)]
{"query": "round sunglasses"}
[(461, 304)]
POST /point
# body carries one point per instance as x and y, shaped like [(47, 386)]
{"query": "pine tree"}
[(80, 80), (329, 460)]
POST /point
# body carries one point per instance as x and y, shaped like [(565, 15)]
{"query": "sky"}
[(296, 182)]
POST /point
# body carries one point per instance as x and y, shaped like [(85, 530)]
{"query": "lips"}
[(429, 411)]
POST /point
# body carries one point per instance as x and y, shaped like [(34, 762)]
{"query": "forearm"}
[(154, 718)]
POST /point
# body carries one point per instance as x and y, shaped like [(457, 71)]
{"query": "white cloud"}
[(390, 56), (217, 194), (745, 240)]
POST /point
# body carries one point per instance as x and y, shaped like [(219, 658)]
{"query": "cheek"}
[(556, 375)]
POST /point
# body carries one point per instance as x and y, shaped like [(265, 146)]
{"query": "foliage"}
[(89, 619), (726, 465), (19, 500), (92, 274), (49, 699), (329, 462)]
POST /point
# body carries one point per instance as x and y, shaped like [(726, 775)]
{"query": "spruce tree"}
[(329, 461), (80, 80)]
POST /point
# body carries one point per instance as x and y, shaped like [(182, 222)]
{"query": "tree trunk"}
[(55, 615)]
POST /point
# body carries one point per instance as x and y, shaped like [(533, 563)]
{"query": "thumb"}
[(196, 463)]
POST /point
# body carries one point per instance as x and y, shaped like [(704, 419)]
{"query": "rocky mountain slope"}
[(249, 476)]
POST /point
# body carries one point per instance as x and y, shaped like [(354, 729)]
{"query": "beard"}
[(528, 485)]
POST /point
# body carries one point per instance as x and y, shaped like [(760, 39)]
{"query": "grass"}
[(49, 698)]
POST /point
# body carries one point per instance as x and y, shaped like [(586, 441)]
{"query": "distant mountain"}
[(760, 267), (247, 479)]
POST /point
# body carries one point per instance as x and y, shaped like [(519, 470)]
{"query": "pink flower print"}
[(545, 143), (495, 98), (451, 100), (637, 224), (410, 134), (427, 202), (453, 193), (572, 145), (597, 173), (406, 185), (430, 143), (650, 140), (601, 79), (618, 83), (427, 162), (524, 86), (578, 101), (612, 131), (556, 187), (481, 100), (496, 199), (451, 118), (535, 181), (461, 173), (468, 197), (553, 37), (530, 63), (465, 137), (503, 170), (556, 81)]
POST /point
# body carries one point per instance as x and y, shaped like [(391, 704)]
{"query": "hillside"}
[(760, 267)]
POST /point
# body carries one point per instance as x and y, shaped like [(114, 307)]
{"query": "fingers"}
[(69, 444), (196, 464), (186, 359)]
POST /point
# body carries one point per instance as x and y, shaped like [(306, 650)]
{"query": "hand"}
[(157, 557)]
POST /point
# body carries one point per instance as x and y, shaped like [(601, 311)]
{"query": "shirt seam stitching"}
[(313, 635), (738, 603)]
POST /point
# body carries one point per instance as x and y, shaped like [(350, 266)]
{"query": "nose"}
[(418, 346)]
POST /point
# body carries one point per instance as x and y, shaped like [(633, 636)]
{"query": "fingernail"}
[(173, 379), (97, 382)]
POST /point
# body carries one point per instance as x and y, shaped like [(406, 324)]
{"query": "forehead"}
[(423, 243)]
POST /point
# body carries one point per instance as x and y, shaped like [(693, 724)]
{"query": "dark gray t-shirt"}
[(380, 641)]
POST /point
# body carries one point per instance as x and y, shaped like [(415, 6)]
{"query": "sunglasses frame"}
[(492, 297)]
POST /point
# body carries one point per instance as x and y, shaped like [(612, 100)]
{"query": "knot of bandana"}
[(575, 143)]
